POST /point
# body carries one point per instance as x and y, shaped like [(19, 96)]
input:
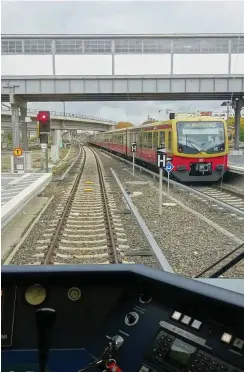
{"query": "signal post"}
[(43, 120), (133, 150), (161, 161)]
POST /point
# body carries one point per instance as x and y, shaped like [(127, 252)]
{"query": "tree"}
[(123, 124), (242, 134)]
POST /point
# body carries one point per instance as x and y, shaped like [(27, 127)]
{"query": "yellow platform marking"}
[(88, 182), (88, 189)]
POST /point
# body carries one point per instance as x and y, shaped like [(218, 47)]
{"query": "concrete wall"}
[(26, 65)]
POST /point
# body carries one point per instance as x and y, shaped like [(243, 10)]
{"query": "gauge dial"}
[(35, 295), (74, 294)]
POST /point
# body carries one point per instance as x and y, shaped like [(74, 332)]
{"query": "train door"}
[(161, 139), (139, 145), (155, 146), (169, 142)]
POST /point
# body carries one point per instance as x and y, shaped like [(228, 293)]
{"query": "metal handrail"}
[(69, 115)]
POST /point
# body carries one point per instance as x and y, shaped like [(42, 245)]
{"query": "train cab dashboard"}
[(57, 319)]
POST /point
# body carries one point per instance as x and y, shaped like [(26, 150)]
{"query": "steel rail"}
[(47, 260), (106, 208)]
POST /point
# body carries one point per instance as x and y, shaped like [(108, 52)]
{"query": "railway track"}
[(221, 199), (84, 231)]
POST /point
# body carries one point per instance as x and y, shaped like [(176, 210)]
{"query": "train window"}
[(149, 140), (144, 140), (155, 140), (139, 139), (161, 138)]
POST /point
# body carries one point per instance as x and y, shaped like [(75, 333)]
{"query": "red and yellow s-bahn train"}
[(197, 146)]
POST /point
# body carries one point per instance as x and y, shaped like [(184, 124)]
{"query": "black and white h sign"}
[(161, 158), (133, 147)]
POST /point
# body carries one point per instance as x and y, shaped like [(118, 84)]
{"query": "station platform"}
[(236, 164), (17, 190)]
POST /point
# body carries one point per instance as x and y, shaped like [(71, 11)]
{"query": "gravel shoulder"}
[(189, 243)]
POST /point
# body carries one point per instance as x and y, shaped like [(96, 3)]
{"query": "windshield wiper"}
[(213, 145), (225, 267), (191, 146)]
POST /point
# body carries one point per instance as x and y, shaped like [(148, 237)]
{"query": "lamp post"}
[(64, 107), (227, 105)]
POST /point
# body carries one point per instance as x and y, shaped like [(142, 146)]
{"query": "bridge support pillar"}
[(56, 135), (17, 162), (15, 125), (238, 106), (23, 114)]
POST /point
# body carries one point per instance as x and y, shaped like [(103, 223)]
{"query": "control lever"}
[(45, 319), (107, 360)]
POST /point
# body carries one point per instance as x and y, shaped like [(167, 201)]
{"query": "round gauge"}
[(35, 294), (74, 294)]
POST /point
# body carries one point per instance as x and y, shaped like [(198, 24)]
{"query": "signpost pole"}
[(46, 159), (160, 191), (161, 157), (168, 182), (42, 162), (133, 150), (133, 156)]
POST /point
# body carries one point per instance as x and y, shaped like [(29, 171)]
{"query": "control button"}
[(223, 368), (196, 324), (212, 369), (199, 355), (166, 344), (186, 319), (131, 319), (74, 294), (214, 363), (145, 298), (144, 369), (203, 364), (196, 361), (238, 343), (226, 338), (169, 339), (160, 341), (176, 315), (206, 358), (200, 369)]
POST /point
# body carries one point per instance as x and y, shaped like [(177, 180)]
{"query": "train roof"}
[(164, 122)]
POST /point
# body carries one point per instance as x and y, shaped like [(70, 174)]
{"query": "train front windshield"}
[(195, 137)]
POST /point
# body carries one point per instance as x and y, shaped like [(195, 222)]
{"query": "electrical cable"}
[(220, 260)]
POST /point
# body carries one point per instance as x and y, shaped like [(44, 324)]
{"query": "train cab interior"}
[(119, 318)]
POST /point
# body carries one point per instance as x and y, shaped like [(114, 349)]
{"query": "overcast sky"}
[(67, 17)]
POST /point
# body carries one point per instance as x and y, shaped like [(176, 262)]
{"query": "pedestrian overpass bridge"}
[(122, 67)]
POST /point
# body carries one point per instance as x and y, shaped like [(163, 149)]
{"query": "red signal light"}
[(43, 116)]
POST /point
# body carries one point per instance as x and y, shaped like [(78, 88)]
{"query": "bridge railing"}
[(66, 114)]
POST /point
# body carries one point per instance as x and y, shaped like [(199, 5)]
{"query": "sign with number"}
[(18, 151)]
